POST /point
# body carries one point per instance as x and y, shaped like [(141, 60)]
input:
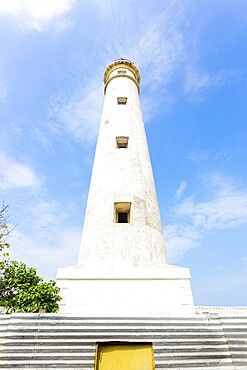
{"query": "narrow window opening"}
[(122, 212), (121, 72), (122, 100), (122, 141), (122, 217)]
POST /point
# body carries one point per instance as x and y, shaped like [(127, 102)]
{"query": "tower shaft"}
[(122, 224)]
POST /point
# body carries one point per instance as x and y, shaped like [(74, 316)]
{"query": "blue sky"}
[(192, 57)]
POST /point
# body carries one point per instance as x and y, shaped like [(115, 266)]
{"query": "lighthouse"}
[(123, 305), (122, 267)]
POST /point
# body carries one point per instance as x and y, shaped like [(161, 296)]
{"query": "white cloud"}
[(14, 174), (163, 43), (226, 281), (163, 48), (105, 8), (42, 139), (166, 52), (16, 130), (197, 82), (80, 113), (36, 14), (44, 254), (180, 190), (3, 90), (46, 239), (226, 209), (210, 155), (180, 238), (222, 285)]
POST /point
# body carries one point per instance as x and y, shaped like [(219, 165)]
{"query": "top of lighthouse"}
[(122, 68)]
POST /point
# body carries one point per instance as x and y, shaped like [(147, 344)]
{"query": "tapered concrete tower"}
[(122, 267), (122, 224)]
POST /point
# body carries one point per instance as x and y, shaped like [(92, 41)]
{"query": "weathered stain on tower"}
[(122, 260)]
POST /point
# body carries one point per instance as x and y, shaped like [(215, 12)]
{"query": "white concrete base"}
[(135, 291)]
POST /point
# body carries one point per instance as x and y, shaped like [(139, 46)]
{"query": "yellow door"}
[(124, 357)]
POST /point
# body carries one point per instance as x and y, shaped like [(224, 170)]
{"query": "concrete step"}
[(81, 349)]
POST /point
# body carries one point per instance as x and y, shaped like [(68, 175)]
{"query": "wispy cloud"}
[(158, 51), (37, 15), (163, 47), (167, 52), (222, 285), (3, 90), (169, 45), (163, 43), (180, 190), (79, 114), (196, 83), (226, 209), (46, 239), (44, 254), (105, 8), (14, 174), (39, 136), (210, 155)]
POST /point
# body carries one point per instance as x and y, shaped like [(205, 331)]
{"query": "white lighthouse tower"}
[(122, 268)]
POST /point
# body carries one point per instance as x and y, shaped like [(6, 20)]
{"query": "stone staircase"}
[(235, 332), (204, 341)]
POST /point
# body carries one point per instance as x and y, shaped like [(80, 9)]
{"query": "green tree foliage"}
[(21, 289), (4, 230)]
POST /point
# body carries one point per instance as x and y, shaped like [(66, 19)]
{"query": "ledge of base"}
[(79, 272), (222, 310)]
